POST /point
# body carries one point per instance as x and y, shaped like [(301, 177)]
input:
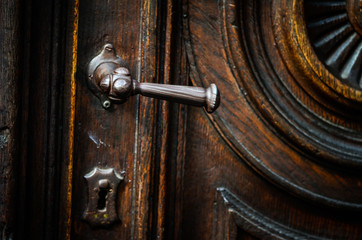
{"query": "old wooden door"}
[(281, 158)]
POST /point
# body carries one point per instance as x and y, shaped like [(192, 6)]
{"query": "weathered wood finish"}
[(280, 158), (282, 114), (124, 136), (10, 52), (44, 116), (65, 132)]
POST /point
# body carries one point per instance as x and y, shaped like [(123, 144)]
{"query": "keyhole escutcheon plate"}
[(102, 195)]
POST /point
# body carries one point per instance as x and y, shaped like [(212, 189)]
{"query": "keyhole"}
[(104, 189), (103, 192)]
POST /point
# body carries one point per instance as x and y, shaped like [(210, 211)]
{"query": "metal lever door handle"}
[(110, 80)]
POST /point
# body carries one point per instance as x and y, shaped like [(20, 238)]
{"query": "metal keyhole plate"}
[(102, 189)]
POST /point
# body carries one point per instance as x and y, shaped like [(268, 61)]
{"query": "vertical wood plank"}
[(122, 137), (147, 119), (65, 224), (42, 114), (10, 36), (170, 128)]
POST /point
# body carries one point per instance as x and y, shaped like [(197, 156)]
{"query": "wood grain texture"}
[(280, 158), (260, 119), (212, 164), (102, 138), (57, 150), (175, 72), (42, 111), (10, 40), (123, 137), (276, 114), (163, 131), (34, 76), (237, 214)]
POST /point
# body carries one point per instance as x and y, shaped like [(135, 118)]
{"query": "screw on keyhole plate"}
[(102, 188)]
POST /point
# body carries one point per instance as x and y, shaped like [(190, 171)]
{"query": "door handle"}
[(110, 80)]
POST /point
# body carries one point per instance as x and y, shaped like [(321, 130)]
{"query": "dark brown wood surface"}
[(286, 157), (279, 159), (124, 136), (10, 38)]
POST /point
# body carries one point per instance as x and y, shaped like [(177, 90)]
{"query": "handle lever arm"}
[(109, 77)]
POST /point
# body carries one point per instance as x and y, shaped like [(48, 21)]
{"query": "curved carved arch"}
[(282, 110)]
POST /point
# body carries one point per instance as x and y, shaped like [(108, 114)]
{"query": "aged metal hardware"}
[(102, 193), (110, 80)]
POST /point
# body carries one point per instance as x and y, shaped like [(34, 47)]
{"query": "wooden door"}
[(280, 158)]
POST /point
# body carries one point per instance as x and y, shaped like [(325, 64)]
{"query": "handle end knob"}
[(212, 98)]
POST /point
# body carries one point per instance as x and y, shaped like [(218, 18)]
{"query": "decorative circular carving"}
[(291, 79), (334, 29), (282, 111)]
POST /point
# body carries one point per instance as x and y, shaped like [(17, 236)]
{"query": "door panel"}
[(284, 117), (122, 137)]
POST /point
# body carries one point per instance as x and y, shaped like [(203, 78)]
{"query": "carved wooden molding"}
[(232, 213), (280, 78), (282, 112)]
